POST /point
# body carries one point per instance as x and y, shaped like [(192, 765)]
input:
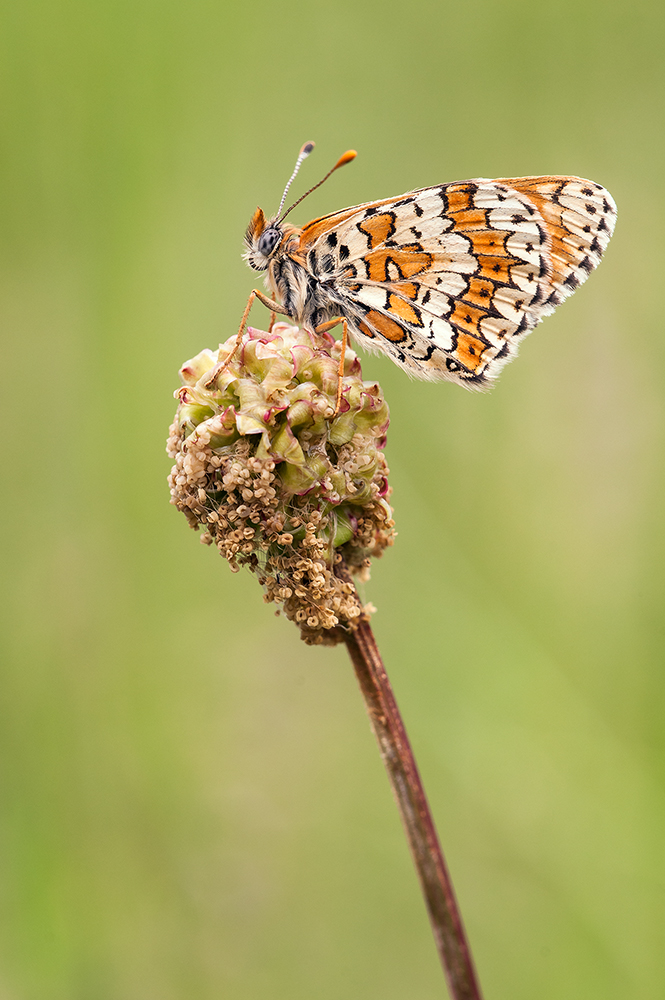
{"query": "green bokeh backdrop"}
[(192, 805)]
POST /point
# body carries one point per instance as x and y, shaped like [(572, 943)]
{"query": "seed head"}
[(279, 481)]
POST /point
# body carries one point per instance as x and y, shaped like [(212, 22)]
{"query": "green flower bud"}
[(279, 478)]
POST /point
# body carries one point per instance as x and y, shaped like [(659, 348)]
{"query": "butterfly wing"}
[(448, 279)]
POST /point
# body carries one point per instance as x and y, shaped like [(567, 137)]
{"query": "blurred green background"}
[(192, 805)]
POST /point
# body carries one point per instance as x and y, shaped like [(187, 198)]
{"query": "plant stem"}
[(412, 803)]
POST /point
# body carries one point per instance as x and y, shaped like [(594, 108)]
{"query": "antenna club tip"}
[(307, 148), (346, 158)]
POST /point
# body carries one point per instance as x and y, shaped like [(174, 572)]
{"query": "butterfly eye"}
[(268, 240)]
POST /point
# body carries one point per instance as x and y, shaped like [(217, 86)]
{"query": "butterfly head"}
[(262, 239)]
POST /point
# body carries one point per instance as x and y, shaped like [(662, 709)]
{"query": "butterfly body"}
[(447, 279), (295, 281)]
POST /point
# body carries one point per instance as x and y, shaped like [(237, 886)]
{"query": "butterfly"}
[(447, 279)]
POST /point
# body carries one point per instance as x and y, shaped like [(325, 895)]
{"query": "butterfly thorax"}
[(275, 247)]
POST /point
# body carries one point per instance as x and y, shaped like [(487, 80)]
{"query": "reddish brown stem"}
[(412, 803)]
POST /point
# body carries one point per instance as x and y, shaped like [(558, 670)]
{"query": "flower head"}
[(279, 478)]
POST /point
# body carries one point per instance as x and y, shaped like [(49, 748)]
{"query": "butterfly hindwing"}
[(447, 279)]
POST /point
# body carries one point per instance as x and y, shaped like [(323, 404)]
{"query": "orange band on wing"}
[(319, 227), (475, 218), (459, 198), (479, 292), (466, 317), (469, 351), (386, 327), (366, 330), (400, 308), (407, 288), (378, 228), (407, 263), (489, 241), (495, 268)]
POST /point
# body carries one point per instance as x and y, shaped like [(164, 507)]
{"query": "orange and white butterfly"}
[(447, 279)]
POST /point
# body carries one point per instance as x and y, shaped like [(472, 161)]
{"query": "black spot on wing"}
[(555, 196)]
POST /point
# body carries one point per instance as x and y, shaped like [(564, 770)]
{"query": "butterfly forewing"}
[(579, 216), (447, 279)]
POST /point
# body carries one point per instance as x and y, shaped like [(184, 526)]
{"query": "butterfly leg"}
[(323, 328), (274, 307), (330, 325)]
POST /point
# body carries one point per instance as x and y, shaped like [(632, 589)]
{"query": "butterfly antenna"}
[(302, 155), (344, 158)]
